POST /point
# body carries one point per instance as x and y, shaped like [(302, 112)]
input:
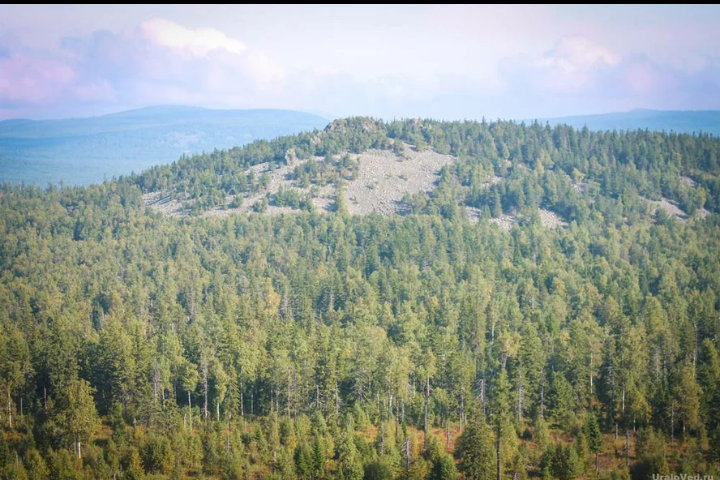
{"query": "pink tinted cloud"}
[(157, 62), (588, 76), (161, 61), (27, 79)]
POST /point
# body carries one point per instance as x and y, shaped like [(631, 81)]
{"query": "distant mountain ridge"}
[(679, 121), (81, 151)]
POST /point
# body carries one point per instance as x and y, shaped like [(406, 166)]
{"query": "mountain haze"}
[(678, 121), (81, 151)]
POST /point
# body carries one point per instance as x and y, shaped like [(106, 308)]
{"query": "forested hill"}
[(83, 151), (548, 296), (490, 168)]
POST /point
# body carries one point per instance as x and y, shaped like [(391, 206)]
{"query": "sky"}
[(437, 61)]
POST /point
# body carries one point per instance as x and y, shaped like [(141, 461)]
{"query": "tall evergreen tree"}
[(476, 451)]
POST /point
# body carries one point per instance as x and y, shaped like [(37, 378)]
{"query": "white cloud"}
[(392, 62), (570, 66), (198, 41), (574, 54)]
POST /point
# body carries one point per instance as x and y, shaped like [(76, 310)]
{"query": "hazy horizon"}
[(329, 116)]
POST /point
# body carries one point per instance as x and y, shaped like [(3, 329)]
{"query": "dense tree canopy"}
[(323, 345)]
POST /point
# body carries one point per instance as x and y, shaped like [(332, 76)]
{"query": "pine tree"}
[(14, 366), (77, 418), (15, 471), (443, 468), (565, 462), (350, 466), (502, 417), (562, 400), (541, 433), (61, 466), (715, 447), (476, 450), (687, 397), (341, 205), (35, 465), (304, 461), (594, 438), (4, 452), (319, 456), (650, 453)]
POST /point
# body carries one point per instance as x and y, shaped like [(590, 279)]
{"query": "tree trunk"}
[(520, 393), (397, 415), (482, 395), (407, 454), (447, 434), (337, 403), (189, 410), (499, 458), (155, 381), (382, 438), (205, 389), (672, 423), (627, 448), (287, 405), (695, 351), (79, 450), (427, 400), (9, 408), (597, 463)]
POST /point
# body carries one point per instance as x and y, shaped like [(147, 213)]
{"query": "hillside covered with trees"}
[(323, 345)]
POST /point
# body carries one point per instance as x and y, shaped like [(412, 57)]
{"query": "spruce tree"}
[(594, 438), (475, 449)]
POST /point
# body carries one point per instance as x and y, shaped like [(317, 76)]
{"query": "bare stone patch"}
[(670, 207), (702, 213), (473, 214), (384, 179), (492, 182), (550, 219), (579, 187), (164, 203), (504, 222), (688, 181)]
